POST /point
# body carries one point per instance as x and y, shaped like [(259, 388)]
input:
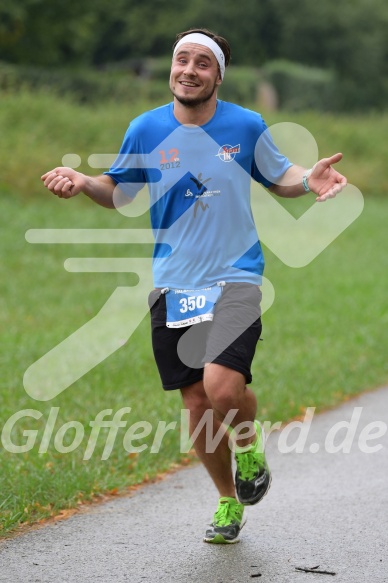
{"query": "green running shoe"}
[(253, 478), (227, 522)]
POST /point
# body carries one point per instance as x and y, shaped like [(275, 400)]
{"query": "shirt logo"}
[(201, 189), (227, 153), (170, 159)]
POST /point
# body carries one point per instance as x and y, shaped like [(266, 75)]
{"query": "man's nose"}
[(189, 69)]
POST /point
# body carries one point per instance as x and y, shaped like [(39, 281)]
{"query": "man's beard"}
[(196, 101)]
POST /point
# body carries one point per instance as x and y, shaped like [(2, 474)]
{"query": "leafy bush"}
[(240, 85), (300, 87), (83, 85)]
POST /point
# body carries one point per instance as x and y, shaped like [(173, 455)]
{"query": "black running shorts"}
[(229, 340)]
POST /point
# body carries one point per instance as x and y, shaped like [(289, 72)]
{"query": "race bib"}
[(191, 306)]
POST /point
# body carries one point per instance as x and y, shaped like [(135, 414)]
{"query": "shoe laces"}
[(249, 463), (227, 513)]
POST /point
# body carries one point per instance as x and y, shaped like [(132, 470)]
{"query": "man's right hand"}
[(64, 182)]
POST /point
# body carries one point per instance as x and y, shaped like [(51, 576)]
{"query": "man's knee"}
[(195, 399), (223, 386)]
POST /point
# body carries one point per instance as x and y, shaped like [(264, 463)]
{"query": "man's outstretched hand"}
[(324, 180)]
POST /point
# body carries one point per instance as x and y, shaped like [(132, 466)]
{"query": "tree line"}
[(348, 38)]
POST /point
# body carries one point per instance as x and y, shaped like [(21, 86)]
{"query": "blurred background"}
[(72, 75), (327, 55)]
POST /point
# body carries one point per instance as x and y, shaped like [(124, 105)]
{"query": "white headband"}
[(204, 40)]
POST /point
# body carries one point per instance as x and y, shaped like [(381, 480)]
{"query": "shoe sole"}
[(220, 540)]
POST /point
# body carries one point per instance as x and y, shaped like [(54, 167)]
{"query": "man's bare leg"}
[(226, 390), (217, 463), (223, 389)]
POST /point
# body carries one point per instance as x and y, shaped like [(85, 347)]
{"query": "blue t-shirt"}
[(199, 183)]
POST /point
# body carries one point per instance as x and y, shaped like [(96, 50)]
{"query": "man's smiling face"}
[(194, 75)]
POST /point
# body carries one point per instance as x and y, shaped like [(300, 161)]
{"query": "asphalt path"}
[(326, 511)]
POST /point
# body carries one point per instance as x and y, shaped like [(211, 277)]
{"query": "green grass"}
[(324, 337)]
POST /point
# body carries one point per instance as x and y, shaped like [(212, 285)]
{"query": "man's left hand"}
[(324, 180)]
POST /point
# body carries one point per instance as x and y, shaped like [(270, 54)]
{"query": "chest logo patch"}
[(227, 153)]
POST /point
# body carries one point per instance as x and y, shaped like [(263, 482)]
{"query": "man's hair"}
[(222, 42)]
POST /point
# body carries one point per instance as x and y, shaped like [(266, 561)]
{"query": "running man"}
[(198, 155)]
